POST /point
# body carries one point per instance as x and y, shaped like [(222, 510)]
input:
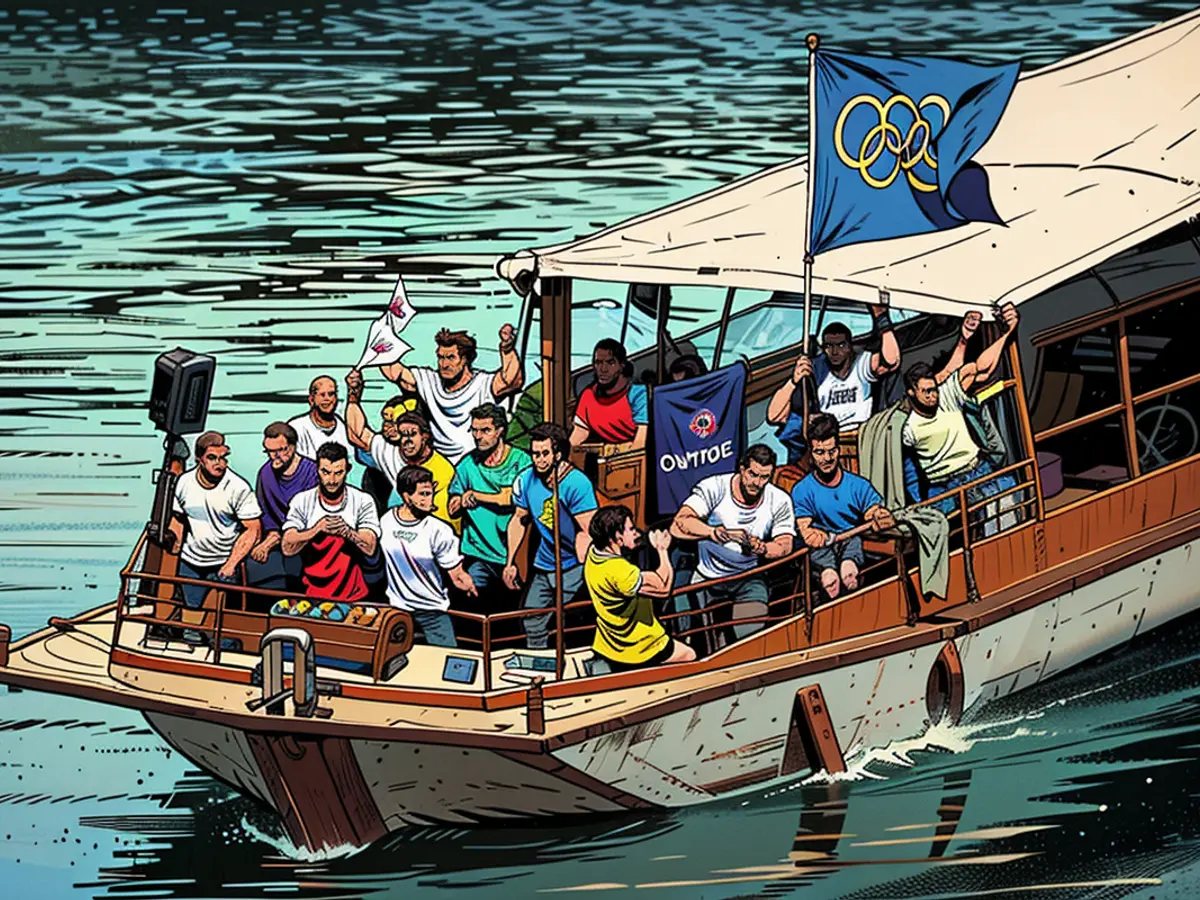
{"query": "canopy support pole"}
[(556, 349), (560, 645), (724, 329), (813, 41)]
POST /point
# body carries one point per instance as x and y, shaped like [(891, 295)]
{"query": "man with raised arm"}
[(843, 377), (413, 446), (333, 527), (533, 501), (739, 520), (284, 475), (829, 501), (936, 431), (217, 521), (482, 493), (321, 423), (612, 410), (417, 549), (454, 388), (628, 634)]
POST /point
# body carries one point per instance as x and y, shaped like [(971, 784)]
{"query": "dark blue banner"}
[(699, 428), (894, 141)]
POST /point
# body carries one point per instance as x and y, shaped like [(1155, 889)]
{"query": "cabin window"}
[(1167, 427), (1079, 418), (1161, 351), (1079, 378)]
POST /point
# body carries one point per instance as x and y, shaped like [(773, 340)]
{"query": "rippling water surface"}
[(248, 180)]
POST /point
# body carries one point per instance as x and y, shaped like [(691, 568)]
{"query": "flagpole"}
[(813, 41)]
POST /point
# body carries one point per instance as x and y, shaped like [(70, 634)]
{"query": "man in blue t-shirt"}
[(829, 501), (533, 501)]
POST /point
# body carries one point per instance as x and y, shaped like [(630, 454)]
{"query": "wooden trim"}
[(1131, 451), (556, 349), (1018, 379), (1089, 419), (1104, 316), (1167, 389)]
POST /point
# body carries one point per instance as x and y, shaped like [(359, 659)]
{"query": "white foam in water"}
[(300, 854)]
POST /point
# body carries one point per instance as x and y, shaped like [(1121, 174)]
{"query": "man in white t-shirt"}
[(321, 423), (454, 388), (739, 520), (417, 549), (335, 530), (843, 378), (217, 521)]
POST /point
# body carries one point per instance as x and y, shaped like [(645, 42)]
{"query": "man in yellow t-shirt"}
[(628, 634)]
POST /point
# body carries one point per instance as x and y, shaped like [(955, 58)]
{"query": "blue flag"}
[(699, 429), (893, 145)]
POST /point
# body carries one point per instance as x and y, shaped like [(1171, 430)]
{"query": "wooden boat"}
[(1094, 167)]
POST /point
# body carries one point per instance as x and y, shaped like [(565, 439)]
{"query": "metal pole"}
[(813, 41), (525, 323), (724, 327), (559, 650)]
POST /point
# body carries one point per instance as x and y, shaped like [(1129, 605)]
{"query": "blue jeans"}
[(436, 626), (977, 494), (193, 594), (541, 596)]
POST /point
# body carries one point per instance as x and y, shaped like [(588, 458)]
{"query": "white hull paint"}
[(722, 746)]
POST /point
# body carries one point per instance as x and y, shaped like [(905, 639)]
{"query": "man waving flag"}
[(384, 345), (892, 145)]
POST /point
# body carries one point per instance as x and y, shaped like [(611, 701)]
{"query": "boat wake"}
[(290, 851)]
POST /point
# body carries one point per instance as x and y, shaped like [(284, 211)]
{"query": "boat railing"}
[(701, 612)]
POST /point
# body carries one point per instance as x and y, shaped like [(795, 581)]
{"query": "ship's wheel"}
[(1166, 433)]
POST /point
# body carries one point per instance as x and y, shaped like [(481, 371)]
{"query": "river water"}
[(248, 180)]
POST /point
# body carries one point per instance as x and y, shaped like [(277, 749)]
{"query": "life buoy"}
[(944, 687)]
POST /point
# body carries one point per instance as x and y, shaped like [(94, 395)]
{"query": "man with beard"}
[(829, 501), (333, 528), (482, 492), (222, 519), (936, 431), (413, 446), (738, 519), (612, 410), (417, 549), (628, 634), (454, 388), (321, 423), (843, 378), (284, 475), (567, 526)]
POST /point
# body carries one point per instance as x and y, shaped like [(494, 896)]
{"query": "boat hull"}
[(692, 753)]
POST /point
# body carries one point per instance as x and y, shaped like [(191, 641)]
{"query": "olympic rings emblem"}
[(909, 149)]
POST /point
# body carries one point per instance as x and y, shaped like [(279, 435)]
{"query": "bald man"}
[(321, 423)]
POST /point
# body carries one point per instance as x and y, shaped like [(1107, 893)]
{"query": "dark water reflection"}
[(247, 180)]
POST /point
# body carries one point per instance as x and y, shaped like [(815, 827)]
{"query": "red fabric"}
[(331, 573), (608, 419)]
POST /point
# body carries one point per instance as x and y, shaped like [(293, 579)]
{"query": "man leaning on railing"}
[(829, 502), (738, 519)]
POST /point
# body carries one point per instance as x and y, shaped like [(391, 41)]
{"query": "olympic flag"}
[(893, 141), (384, 345)]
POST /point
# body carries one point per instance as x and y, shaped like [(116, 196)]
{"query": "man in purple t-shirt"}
[(284, 475)]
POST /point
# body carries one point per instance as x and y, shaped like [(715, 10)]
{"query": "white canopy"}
[(1093, 155)]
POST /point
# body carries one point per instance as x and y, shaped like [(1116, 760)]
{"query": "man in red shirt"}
[(612, 410), (333, 527)]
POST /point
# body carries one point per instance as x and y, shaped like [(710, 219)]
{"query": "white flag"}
[(384, 345)]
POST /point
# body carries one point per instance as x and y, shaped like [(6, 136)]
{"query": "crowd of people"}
[(442, 504)]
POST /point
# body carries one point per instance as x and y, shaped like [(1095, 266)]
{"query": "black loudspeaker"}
[(182, 386)]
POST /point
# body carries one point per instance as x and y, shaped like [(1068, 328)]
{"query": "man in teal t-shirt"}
[(482, 491)]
